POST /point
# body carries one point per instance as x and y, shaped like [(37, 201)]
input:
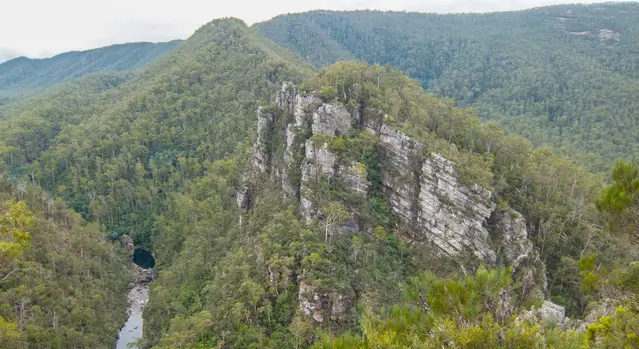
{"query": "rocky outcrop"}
[(243, 197), (319, 164), (428, 195), (286, 97), (143, 276), (423, 189), (400, 173), (262, 160), (354, 176), (510, 240), (127, 243), (603, 35), (513, 240), (320, 306), (548, 312), (450, 214), (261, 157), (332, 120)]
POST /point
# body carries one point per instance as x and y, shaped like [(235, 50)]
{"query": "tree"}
[(335, 214), (620, 200), (14, 218)]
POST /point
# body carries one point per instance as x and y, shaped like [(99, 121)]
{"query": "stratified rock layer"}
[(422, 188)]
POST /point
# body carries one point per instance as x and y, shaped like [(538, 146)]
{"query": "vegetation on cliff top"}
[(562, 76)]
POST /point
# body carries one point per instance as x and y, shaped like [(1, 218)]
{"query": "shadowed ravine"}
[(138, 297)]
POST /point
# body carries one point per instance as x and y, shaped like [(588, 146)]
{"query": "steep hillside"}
[(563, 76), (62, 284), (192, 107), (119, 149), (362, 199), (23, 76)]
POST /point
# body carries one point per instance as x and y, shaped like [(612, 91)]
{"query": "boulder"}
[(318, 305)]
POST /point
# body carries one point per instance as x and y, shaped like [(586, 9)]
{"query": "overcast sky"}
[(43, 28)]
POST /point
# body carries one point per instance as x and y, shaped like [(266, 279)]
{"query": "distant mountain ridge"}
[(22, 76)]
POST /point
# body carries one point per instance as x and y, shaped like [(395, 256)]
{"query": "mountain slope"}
[(121, 151), (65, 285), (21, 76), (563, 76), (196, 104)]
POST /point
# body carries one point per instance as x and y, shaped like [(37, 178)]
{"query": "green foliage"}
[(62, 285), (624, 189), (117, 162), (616, 331), (14, 218), (460, 312), (619, 202), (543, 73), (468, 297)]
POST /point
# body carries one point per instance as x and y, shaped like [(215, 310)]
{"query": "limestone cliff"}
[(422, 188)]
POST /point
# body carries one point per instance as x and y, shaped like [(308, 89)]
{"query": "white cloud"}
[(7, 54), (41, 28)]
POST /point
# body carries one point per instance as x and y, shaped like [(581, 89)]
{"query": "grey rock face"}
[(285, 98), (354, 176), (304, 109), (260, 160), (319, 164), (260, 156), (127, 243), (332, 120), (548, 311), (322, 161), (511, 240), (552, 311), (514, 238), (452, 215), (243, 196), (318, 305), (400, 178), (429, 196)]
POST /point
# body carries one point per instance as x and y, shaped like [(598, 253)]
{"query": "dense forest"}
[(163, 155), (562, 76), (23, 76), (61, 280)]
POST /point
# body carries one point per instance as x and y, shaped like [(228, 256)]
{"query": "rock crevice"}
[(423, 188)]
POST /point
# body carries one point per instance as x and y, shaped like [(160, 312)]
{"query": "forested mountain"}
[(22, 76), (563, 76), (287, 207), (119, 149)]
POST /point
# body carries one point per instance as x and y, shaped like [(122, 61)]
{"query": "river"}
[(132, 330)]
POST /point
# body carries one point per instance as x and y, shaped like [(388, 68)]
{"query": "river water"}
[(132, 330)]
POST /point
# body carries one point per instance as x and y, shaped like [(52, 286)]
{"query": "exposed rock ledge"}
[(422, 188)]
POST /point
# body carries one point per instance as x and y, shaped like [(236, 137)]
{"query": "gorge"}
[(138, 296)]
